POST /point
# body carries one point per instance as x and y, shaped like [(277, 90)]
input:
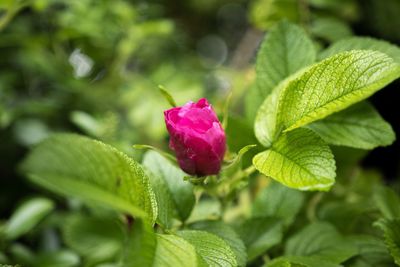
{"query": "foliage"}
[(291, 191)]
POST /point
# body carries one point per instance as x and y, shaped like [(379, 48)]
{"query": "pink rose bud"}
[(197, 137)]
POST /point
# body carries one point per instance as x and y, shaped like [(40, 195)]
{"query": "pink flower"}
[(197, 137)]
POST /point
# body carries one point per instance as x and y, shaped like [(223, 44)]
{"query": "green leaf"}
[(300, 261), (391, 233), (333, 85), (77, 166), (285, 50), (206, 209), (167, 96), (330, 29), (372, 251), (174, 251), (359, 126), (240, 134), (299, 159), (140, 249), (278, 201), (230, 170), (362, 43), (320, 240), (171, 189), (227, 233), (259, 235), (97, 239), (167, 210), (265, 123), (266, 13), (346, 216), (61, 258), (214, 250), (148, 249), (388, 202), (27, 216)]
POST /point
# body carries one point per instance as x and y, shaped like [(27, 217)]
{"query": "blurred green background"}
[(94, 66)]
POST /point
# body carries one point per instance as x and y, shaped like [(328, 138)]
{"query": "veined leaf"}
[(260, 234), (391, 232), (320, 240), (299, 159), (77, 166), (174, 251), (225, 232), (175, 196), (214, 250), (278, 201), (148, 249), (333, 85), (285, 50), (265, 122), (363, 43), (27, 216), (359, 126), (265, 127)]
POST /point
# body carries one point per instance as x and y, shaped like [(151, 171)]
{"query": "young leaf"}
[(148, 249), (299, 159), (174, 251), (214, 250), (229, 170), (391, 232), (278, 201), (225, 232), (359, 126), (177, 193), (320, 240), (285, 50), (362, 43), (77, 166), (388, 202), (167, 96), (259, 235), (333, 85), (87, 236), (27, 216)]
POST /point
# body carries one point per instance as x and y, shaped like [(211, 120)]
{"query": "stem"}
[(240, 175), (10, 15), (305, 14), (312, 206)]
